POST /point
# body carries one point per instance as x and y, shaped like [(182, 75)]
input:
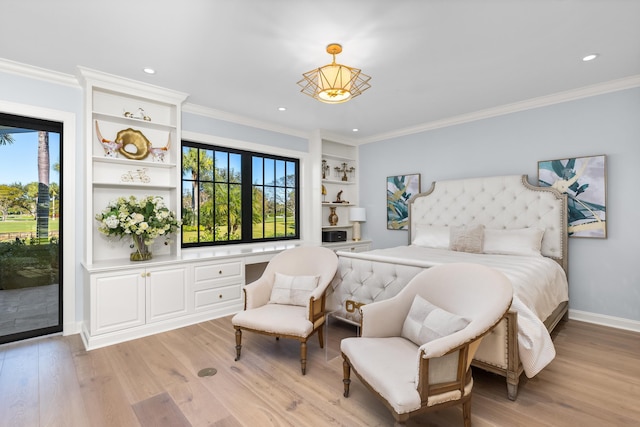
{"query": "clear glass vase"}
[(142, 252)]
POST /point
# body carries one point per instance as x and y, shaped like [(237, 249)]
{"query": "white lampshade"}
[(357, 214)]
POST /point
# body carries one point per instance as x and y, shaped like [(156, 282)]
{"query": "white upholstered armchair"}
[(288, 300), (416, 348)]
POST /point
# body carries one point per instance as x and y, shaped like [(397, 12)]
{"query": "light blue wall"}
[(603, 273), (210, 126)]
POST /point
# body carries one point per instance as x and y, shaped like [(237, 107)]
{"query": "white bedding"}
[(539, 285)]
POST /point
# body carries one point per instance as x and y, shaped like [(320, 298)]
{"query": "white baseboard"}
[(604, 320)]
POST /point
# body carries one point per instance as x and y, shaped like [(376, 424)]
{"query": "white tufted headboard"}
[(499, 202)]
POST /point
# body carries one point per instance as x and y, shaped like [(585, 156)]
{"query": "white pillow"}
[(432, 236), (293, 290), (467, 238), (427, 322), (521, 241)]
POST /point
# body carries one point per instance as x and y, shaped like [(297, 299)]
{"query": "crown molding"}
[(133, 87), (241, 120), (543, 101), (38, 73)]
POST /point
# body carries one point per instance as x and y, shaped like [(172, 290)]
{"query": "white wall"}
[(603, 274)]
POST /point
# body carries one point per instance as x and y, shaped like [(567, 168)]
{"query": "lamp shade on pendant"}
[(334, 83)]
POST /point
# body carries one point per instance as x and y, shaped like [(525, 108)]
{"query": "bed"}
[(522, 232)]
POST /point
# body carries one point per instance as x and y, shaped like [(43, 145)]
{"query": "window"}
[(235, 196)]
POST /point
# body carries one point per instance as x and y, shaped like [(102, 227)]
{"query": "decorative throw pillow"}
[(432, 236), (292, 290), (521, 241), (467, 238), (427, 322)]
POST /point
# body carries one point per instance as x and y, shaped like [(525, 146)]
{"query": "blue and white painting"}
[(583, 180), (400, 189)]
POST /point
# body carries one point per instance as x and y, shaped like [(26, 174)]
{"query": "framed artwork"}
[(583, 180), (400, 189)]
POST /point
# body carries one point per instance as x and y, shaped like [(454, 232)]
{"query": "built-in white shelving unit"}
[(137, 110), (339, 169)]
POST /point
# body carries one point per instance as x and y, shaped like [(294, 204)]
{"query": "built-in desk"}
[(124, 300)]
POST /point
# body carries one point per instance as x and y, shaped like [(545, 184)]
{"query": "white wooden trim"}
[(605, 320), (25, 70), (69, 266)]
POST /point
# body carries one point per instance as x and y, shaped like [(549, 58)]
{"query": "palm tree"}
[(42, 222), (192, 159), (6, 138)]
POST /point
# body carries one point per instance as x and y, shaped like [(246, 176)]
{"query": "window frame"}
[(40, 122), (247, 184)]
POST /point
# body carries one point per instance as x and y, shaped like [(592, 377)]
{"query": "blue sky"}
[(19, 161)]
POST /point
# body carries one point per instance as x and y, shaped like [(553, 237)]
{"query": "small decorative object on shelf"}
[(344, 170), (324, 194), (333, 216), (140, 115), (144, 220), (132, 144), (326, 169), (158, 153), (339, 198), (137, 175), (111, 148), (135, 145)]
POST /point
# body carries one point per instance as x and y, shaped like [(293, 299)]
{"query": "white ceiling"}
[(429, 59)]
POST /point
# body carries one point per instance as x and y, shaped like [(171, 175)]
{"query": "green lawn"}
[(15, 225), (190, 236)]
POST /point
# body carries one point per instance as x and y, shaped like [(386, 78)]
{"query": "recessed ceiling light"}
[(590, 57), (355, 129), (282, 109), (149, 70)]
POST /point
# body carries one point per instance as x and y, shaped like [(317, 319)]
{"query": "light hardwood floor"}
[(153, 381)]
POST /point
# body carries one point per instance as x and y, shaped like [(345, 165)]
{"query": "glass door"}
[(30, 227)]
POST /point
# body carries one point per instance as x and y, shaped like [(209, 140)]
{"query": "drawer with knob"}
[(218, 271), (208, 298)]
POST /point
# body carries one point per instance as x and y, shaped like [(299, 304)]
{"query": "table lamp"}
[(357, 215)]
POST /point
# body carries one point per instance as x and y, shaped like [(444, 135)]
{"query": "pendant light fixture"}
[(334, 83)]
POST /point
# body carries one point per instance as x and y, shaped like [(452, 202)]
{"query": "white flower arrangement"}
[(147, 218)]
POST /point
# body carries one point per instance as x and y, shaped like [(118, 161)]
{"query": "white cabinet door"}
[(117, 301), (166, 293)]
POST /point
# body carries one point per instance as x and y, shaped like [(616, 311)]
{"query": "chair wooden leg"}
[(512, 390), (303, 356), (238, 343), (346, 374), (321, 336), (466, 412)]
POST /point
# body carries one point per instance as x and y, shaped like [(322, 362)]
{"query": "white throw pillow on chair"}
[(427, 322), (293, 290)]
